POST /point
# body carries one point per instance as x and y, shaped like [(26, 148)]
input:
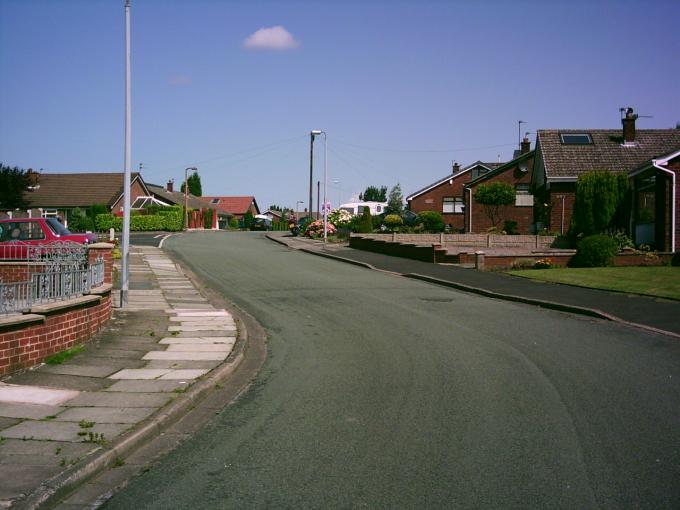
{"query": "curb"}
[(53, 490), (580, 310)]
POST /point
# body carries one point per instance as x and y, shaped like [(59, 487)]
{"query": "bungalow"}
[(517, 173), (446, 194), (60, 193), (169, 196), (648, 156), (238, 206)]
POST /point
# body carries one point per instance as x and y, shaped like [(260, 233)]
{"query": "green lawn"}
[(654, 281)]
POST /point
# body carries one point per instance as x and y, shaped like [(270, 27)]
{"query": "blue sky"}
[(401, 88)]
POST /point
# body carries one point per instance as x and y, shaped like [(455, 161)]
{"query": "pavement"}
[(644, 312), (62, 423)]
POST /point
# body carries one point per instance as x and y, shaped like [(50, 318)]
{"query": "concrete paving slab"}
[(58, 381), (199, 348), (154, 386), (204, 334), (83, 370), (177, 364), (120, 362), (106, 414), (118, 399), (188, 356), (121, 353), (8, 422), (59, 449), (139, 373), (207, 327), (184, 374), (216, 313), (14, 393), (18, 480), (197, 340), (225, 319), (28, 411), (205, 307), (60, 430)]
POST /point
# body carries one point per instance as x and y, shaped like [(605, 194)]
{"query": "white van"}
[(357, 208)]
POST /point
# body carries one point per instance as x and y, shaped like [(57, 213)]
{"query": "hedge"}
[(170, 219)]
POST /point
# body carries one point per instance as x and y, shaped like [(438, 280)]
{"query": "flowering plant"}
[(315, 229), (543, 264), (340, 218)]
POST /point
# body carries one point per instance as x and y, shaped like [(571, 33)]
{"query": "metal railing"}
[(58, 271)]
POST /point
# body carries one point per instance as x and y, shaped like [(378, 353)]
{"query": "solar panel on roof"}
[(576, 138)]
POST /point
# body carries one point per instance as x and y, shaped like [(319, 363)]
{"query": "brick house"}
[(564, 154), (518, 174), (237, 206), (446, 195), (59, 194)]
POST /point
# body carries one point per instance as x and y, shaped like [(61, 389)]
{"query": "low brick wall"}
[(27, 339), (410, 251), (467, 240)]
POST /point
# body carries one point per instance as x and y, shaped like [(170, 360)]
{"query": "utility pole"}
[(125, 256), (318, 198)]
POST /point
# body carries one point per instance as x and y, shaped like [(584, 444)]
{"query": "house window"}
[(453, 205), (576, 139), (215, 201), (49, 213), (378, 208), (523, 196)]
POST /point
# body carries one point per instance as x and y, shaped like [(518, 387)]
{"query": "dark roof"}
[(236, 205), (177, 198), (605, 153), (77, 190), (500, 169), (490, 166)]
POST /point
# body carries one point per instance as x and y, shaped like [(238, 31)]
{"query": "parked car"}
[(17, 234), (260, 223)]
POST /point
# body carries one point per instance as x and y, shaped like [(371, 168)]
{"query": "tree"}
[(13, 183), (374, 194), (494, 197), (364, 223), (275, 207), (247, 219), (432, 221), (600, 204), (395, 201), (194, 181)]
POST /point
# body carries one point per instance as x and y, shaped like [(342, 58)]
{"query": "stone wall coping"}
[(101, 290), (101, 246), (20, 319), (66, 304)]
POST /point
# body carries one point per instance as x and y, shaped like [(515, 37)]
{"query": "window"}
[(21, 231), (49, 213), (453, 205), (215, 201), (576, 138), (378, 208), (523, 196)]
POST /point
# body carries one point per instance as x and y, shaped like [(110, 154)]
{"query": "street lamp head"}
[(316, 132), (192, 168)]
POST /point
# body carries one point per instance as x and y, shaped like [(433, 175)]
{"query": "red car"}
[(17, 233)]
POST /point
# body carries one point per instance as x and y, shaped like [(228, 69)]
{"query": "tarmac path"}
[(384, 392)]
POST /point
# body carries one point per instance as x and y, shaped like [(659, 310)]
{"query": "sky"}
[(402, 89)]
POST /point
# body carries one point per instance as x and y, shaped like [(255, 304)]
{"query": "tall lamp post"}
[(124, 263), (311, 168), (325, 179), (297, 208), (186, 191)]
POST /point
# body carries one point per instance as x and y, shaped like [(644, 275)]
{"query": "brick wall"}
[(467, 240), (136, 190), (523, 215), (433, 200), (561, 193), (27, 339)]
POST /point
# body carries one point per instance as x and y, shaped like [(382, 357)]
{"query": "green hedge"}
[(595, 251), (170, 219)]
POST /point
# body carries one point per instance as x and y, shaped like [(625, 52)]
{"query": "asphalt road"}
[(383, 392)]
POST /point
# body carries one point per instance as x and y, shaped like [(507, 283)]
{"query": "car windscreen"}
[(57, 227)]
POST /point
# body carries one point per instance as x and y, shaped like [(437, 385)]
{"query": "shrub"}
[(233, 222), (675, 261), (364, 223), (340, 218), (169, 219), (208, 218), (393, 221), (595, 251), (510, 227), (601, 202), (432, 221), (543, 264), (493, 197), (315, 229)]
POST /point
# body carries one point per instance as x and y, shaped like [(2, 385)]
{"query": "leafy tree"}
[(395, 201), (364, 223), (494, 196), (432, 221), (601, 203), (374, 194), (13, 183), (393, 221), (275, 207), (247, 219), (194, 182)]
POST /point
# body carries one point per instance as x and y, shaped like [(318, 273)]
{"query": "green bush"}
[(510, 227), (233, 222), (432, 221), (169, 219), (363, 224), (675, 261), (602, 203), (393, 221), (595, 251), (208, 218)]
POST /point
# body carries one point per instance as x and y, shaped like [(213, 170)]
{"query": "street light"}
[(186, 191), (297, 208), (314, 133)]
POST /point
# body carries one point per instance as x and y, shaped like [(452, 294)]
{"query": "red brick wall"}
[(558, 190), (523, 215), (103, 250), (22, 347), (433, 200), (11, 272), (136, 190)]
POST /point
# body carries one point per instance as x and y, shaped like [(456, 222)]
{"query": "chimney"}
[(628, 122), (33, 179), (526, 146), (455, 168), (171, 182)]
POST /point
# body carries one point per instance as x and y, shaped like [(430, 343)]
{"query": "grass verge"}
[(60, 357), (663, 281)]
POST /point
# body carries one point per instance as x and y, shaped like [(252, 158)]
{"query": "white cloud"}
[(274, 38)]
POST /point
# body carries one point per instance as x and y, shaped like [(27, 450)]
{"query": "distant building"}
[(238, 206)]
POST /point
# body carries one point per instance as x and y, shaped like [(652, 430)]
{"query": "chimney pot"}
[(170, 185), (526, 146), (455, 168), (629, 126)]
